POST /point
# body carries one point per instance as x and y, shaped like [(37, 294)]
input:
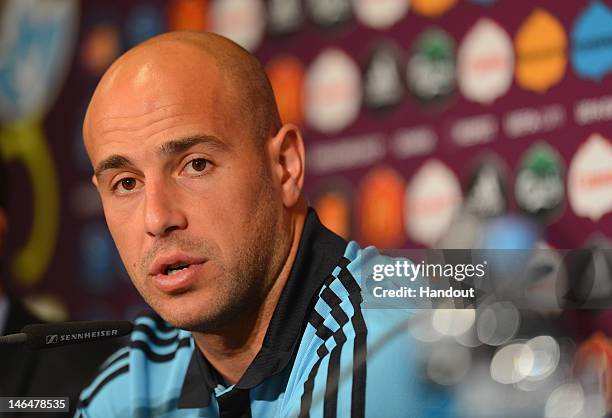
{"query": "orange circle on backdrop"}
[(286, 75), (380, 208), (432, 8), (334, 209), (100, 47), (540, 44), (188, 15)]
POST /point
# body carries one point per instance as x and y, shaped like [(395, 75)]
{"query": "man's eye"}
[(125, 185), (197, 165)]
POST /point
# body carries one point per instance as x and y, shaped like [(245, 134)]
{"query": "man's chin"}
[(196, 320)]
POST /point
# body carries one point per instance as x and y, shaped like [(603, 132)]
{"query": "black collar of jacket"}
[(318, 253)]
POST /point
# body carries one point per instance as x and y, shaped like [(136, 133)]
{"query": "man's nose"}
[(163, 213)]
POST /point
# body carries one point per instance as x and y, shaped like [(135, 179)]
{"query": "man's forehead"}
[(146, 112), (147, 88), (166, 70)]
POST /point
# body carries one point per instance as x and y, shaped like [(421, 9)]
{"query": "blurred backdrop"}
[(428, 123)]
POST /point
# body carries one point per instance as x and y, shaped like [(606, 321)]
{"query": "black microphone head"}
[(67, 333)]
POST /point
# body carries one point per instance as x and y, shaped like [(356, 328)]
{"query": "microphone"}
[(41, 336)]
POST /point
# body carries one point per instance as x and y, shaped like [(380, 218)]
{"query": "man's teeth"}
[(173, 270)]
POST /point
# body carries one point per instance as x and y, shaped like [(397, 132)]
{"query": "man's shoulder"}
[(349, 283), (344, 353), (157, 352), (340, 301)]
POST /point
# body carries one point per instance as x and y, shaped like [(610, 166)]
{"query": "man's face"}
[(186, 193)]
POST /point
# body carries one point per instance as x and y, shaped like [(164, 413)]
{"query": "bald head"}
[(190, 63)]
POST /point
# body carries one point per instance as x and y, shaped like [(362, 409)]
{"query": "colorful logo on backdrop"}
[(539, 186), (329, 13), (24, 142), (596, 351), (545, 278), (589, 187), (380, 207), (485, 62), (38, 38), (333, 91), (37, 45), (432, 8), (380, 14), (188, 15), (590, 273), (286, 74), (334, 205), (143, 22), (242, 21), (592, 42), (541, 45), (383, 86), (485, 193), (431, 67), (284, 16), (100, 47), (432, 200), (600, 271)]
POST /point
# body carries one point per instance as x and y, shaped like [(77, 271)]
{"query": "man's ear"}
[(286, 150), (94, 180)]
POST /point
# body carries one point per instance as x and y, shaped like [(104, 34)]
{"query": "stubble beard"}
[(242, 288)]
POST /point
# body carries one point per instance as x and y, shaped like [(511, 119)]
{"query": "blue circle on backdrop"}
[(143, 22), (591, 49), (503, 236), (510, 233), (97, 258)]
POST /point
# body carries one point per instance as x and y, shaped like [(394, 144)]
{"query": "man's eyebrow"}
[(112, 162), (176, 146)]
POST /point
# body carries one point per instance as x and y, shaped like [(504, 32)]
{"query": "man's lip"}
[(180, 281), (161, 263)]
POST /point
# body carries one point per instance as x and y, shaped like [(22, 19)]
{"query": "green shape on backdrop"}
[(539, 186), (431, 68)]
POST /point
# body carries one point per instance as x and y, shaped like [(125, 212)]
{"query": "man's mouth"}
[(176, 272), (178, 277), (175, 268), (172, 263)]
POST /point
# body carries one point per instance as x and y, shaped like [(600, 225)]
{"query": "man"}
[(260, 305)]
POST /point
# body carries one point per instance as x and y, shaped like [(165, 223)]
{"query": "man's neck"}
[(230, 353)]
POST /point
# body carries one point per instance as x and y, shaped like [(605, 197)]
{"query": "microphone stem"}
[(13, 338)]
